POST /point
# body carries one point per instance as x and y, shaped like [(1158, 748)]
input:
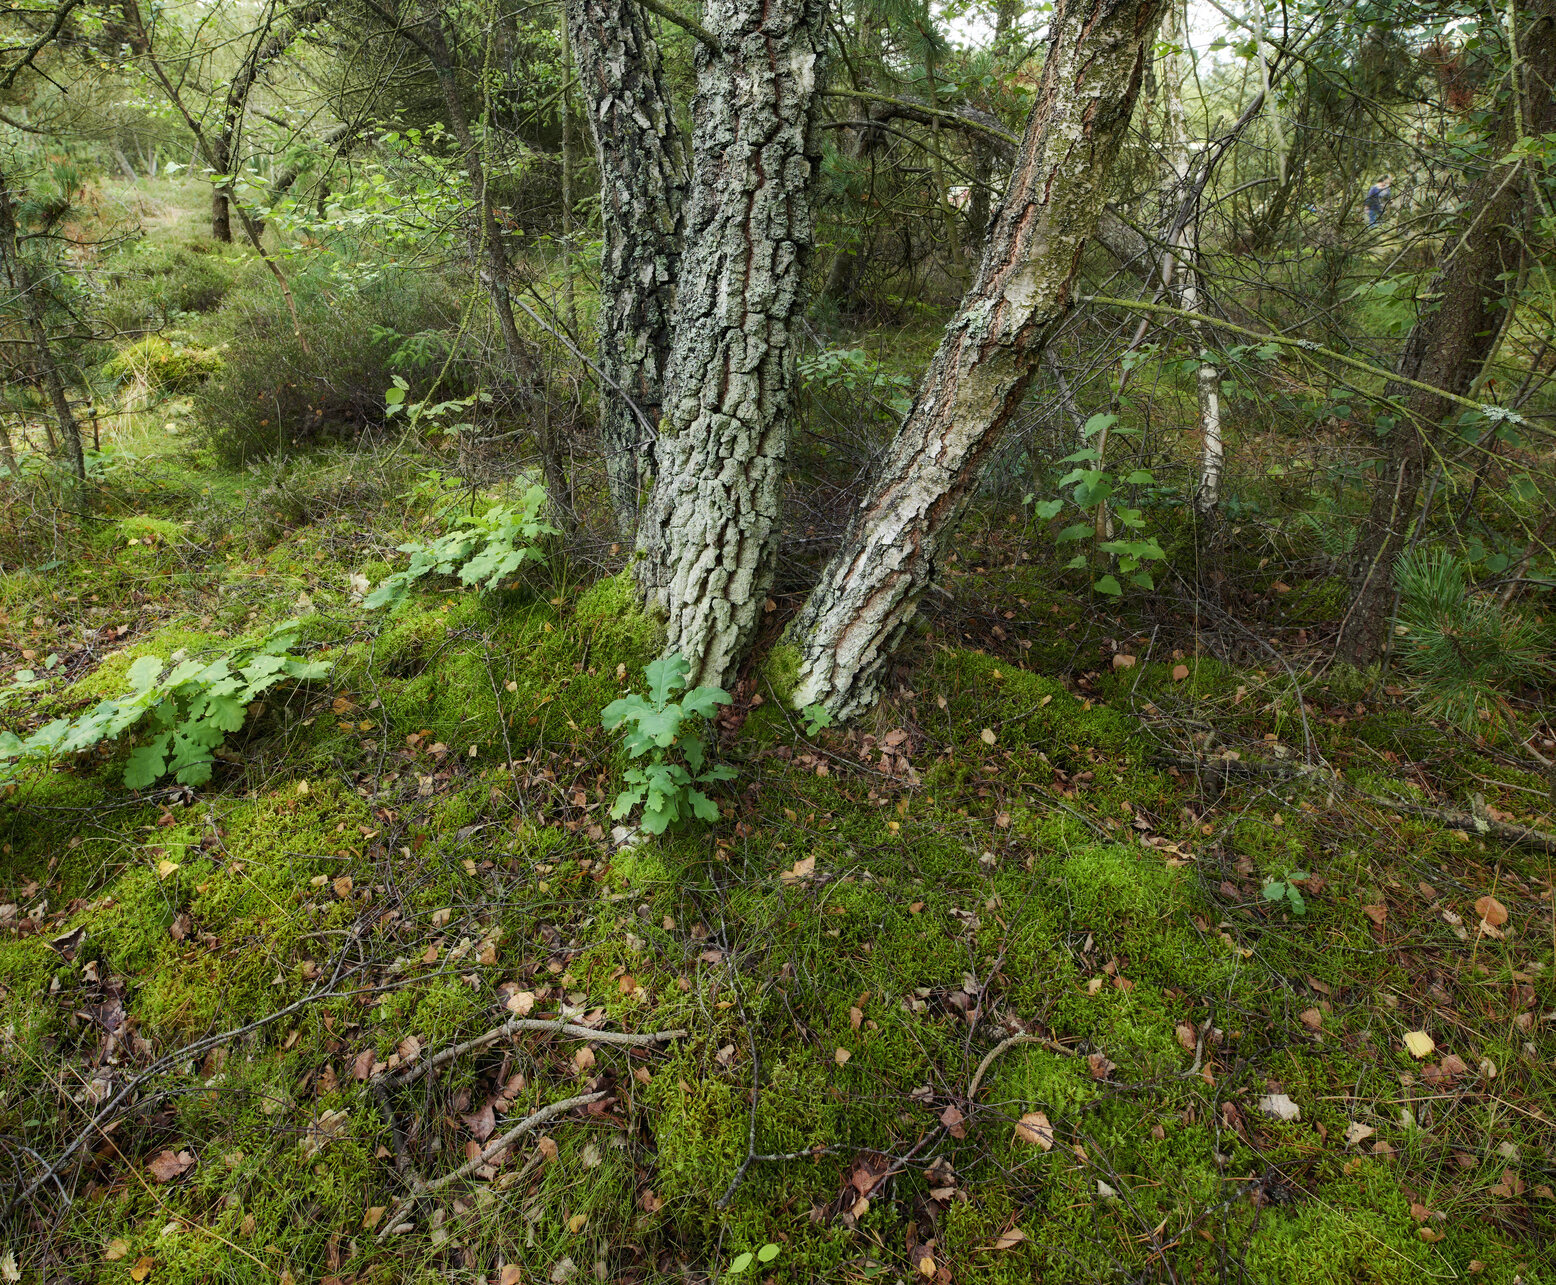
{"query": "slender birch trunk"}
[(708, 536), (569, 165), (643, 174), (942, 188), (1207, 495), (869, 592)]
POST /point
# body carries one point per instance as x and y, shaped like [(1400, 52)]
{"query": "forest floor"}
[(1093, 957)]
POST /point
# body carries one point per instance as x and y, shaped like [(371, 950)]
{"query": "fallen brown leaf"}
[(1035, 1129), (1491, 911), (167, 1165)]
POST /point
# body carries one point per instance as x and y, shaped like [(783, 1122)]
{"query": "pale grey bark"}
[(709, 533), (1207, 494), (643, 175), (869, 592)]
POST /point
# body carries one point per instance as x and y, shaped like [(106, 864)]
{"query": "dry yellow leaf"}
[(141, 1270), (371, 1217), (165, 868), (342, 887), (575, 1224), (987, 736), (841, 1056), (1419, 1043), (116, 1250)]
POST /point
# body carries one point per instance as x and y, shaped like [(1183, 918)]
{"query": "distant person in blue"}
[(1377, 197)]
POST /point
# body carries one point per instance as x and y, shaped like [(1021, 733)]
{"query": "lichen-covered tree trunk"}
[(869, 592), (708, 535), (1454, 334), (642, 162)]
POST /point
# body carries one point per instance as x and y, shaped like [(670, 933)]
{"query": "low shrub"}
[(152, 283), (277, 392), (191, 707), (480, 550)]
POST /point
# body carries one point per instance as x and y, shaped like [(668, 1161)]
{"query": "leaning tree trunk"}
[(709, 532), (1452, 338), (221, 208), (490, 252), (869, 592), (282, 26), (642, 162), (25, 290)]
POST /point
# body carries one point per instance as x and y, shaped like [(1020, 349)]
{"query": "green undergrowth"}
[(1008, 847)]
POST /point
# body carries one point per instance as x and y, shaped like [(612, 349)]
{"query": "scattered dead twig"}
[(187, 1053), (1199, 1043), (558, 1026), (1026, 1037), (1520, 836), (421, 1190), (402, 1159)]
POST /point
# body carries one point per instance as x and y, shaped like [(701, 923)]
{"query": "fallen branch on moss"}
[(420, 1190), (121, 1100), (1519, 836), (512, 1026), (380, 1084), (1053, 1046)]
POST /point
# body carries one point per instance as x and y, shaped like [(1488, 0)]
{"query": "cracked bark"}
[(642, 162), (869, 592), (1454, 335), (709, 533)]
